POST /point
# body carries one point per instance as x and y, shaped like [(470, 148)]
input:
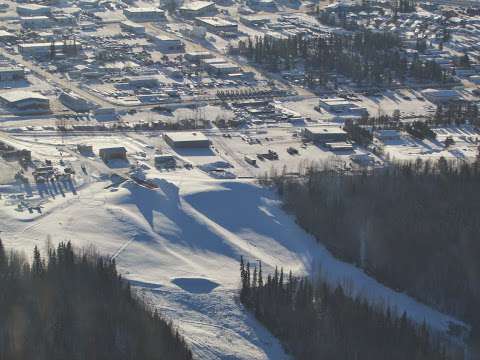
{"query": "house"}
[(113, 153)]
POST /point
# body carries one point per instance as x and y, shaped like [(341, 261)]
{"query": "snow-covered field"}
[(180, 245)]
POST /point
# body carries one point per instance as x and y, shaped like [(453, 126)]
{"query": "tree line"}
[(413, 226), (314, 320), (364, 56), (74, 305)]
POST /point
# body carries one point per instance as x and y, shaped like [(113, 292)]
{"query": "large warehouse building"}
[(217, 25), (197, 8), (11, 73), (25, 100), (186, 140), (325, 134)]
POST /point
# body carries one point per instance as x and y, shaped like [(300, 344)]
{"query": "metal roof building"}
[(325, 134), (186, 140), (24, 99)]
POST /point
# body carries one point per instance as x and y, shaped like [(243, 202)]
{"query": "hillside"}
[(180, 245)]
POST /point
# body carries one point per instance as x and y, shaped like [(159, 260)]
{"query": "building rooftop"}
[(325, 130), (132, 24), (140, 10), (196, 5), (21, 95), (186, 136), (215, 21), (32, 7)]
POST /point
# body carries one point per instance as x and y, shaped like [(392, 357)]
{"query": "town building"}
[(33, 10), (197, 8), (113, 153), (325, 134), (11, 73), (43, 49), (133, 27), (217, 25), (186, 140), (6, 36), (36, 22), (335, 104), (24, 100), (254, 20), (144, 14), (197, 56), (165, 161), (75, 102), (441, 96), (168, 43)]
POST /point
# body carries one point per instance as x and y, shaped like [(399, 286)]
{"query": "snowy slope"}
[(181, 244)]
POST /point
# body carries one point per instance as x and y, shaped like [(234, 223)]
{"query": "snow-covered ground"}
[(181, 243)]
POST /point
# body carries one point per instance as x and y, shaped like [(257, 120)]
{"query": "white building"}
[(33, 10), (144, 14), (169, 44), (36, 22), (197, 8), (24, 100), (11, 73), (441, 96), (132, 27)]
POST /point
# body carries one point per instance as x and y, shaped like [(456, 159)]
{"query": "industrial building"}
[(165, 161), (11, 73), (5, 36), (42, 49), (75, 102), (24, 100), (217, 25), (33, 10), (132, 27), (144, 14), (220, 66), (168, 43), (325, 134), (441, 96), (196, 56), (113, 153), (186, 140), (335, 104), (197, 8), (254, 20), (36, 22)]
